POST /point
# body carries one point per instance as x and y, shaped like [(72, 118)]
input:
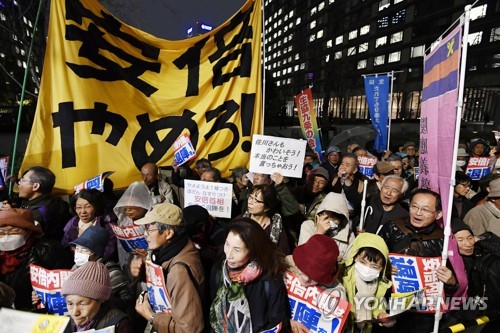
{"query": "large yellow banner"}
[(113, 97)]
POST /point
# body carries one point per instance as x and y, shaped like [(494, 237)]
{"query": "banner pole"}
[(447, 226), (263, 7), (391, 74), (23, 90)]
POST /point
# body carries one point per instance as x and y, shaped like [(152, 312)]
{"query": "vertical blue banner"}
[(377, 96)]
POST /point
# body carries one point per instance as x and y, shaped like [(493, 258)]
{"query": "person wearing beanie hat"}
[(20, 246), (482, 264), (86, 292), (486, 217), (310, 195), (365, 280), (315, 263), (410, 149), (332, 163), (170, 247)]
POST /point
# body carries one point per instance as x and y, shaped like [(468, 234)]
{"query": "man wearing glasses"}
[(171, 248), (420, 235), (50, 212)]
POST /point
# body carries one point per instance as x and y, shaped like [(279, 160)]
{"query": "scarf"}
[(9, 260), (170, 250), (365, 291), (230, 311)]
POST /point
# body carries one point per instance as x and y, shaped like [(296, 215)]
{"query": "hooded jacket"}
[(349, 282), (487, 148), (337, 203)]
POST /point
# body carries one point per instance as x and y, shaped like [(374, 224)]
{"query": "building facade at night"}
[(330, 44)]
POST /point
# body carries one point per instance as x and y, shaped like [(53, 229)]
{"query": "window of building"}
[(314, 11), (364, 30), (22, 52), (17, 50), (329, 44), (363, 47), (321, 6), (478, 12), (339, 40), (337, 55), (19, 63), (303, 65), (2, 55), (394, 56), (379, 60), (298, 21), (312, 25), (291, 14), (320, 34), (475, 38), (331, 1), (289, 81), (362, 64), (278, 83), (399, 17), (383, 4), (397, 37), (398, 1), (327, 58), (351, 51), (417, 51), (312, 38), (296, 68), (381, 41), (495, 34), (297, 56), (353, 34), (2, 17), (383, 22)]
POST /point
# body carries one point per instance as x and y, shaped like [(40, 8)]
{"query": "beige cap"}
[(165, 213)]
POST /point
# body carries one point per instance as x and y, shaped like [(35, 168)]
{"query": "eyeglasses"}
[(424, 211), (22, 181), (149, 231), (252, 198)]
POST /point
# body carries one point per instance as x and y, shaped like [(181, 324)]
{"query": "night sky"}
[(170, 19)]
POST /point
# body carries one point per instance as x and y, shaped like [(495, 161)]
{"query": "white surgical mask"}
[(81, 259), (11, 242), (366, 273), (460, 163)]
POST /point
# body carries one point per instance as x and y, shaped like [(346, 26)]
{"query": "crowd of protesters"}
[(227, 275)]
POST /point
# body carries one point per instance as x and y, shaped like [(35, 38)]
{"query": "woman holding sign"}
[(249, 288)]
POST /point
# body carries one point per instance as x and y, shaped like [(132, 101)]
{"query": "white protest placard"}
[(183, 149), (130, 237), (47, 284), (273, 154), (214, 197), (158, 297)]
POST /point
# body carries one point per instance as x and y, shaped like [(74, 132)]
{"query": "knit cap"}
[(90, 280)]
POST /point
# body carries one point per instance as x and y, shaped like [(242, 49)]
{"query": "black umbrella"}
[(360, 135)]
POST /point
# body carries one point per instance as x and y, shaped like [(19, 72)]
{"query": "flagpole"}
[(447, 227), (23, 90), (390, 110), (263, 7)]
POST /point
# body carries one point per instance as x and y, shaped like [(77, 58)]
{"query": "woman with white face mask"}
[(365, 281), (20, 246)]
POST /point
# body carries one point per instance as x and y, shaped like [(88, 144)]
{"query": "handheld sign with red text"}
[(478, 167), (366, 164), (316, 309), (416, 273), (130, 237), (157, 289), (47, 284), (183, 149)]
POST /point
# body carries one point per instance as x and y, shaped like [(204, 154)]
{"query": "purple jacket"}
[(71, 233)]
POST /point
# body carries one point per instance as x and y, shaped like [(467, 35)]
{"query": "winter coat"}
[(164, 189), (46, 253), (336, 203), (110, 316), (484, 218), (185, 289), (417, 243), (267, 300), (348, 279), (51, 212), (376, 217), (71, 233)]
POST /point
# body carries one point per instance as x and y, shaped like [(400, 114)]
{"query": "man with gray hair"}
[(385, 206)]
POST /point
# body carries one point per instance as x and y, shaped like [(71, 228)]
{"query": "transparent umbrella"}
[(360, 135)]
